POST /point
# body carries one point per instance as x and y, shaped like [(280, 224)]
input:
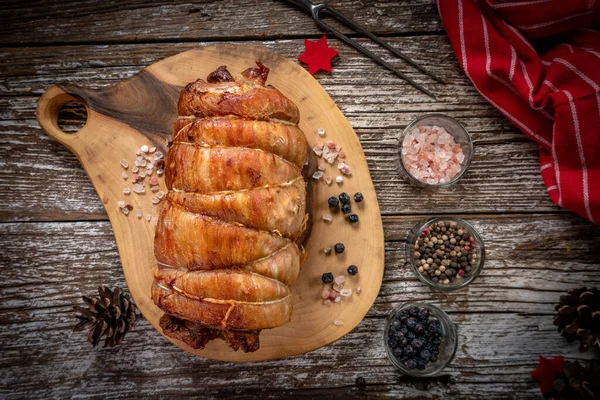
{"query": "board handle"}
[(48, 107)]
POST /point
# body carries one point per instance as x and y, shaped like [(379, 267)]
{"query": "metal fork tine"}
[(373, 56), (347, 21)]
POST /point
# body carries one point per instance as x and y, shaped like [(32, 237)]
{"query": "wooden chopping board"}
[(142, 110)]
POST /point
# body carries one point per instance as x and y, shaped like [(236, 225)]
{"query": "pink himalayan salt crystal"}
[(346, 292), (431, 154), (339, 279), (327, 302), (358, 290), (333, 294), (338, 299), (325, 294)]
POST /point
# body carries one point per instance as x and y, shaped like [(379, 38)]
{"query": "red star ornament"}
[(546, 372), (317, 55)]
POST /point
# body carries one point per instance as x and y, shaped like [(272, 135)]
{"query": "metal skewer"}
[(315, 9)]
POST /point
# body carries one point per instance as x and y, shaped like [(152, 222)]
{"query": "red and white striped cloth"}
[(538, 63)]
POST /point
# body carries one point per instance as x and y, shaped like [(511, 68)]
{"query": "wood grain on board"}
[(142, 110)]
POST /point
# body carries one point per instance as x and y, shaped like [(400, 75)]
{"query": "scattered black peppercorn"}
[(346, 209), (333, 202), (353, 218), (358, 197), (339, 248), (327, 277), (414, 337), (344, 198), (353, 270)]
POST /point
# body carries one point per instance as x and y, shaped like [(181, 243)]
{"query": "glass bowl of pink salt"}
[(435, 151)]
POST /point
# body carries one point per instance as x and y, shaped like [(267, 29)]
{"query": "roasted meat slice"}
[(195, 169), (279, 208), (282, 139)]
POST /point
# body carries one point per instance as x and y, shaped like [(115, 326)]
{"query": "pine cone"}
[(112, 314), (578, 317), (577, 382)]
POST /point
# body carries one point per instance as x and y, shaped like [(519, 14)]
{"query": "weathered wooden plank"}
[(504, 176), (116, 21), (504, 320)]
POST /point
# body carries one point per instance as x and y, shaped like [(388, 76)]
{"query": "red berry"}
[(426, 231), (461, 272), (467, 248)]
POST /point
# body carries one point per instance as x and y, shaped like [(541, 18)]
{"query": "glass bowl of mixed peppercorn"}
[(420, 339), (446, 253)]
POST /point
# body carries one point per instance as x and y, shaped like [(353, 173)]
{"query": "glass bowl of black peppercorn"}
[(420, 339), (446, 253)]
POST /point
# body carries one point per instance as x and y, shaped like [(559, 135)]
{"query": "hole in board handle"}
[(72, 116)]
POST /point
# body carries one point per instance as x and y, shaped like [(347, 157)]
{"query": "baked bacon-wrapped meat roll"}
[(226, 240)]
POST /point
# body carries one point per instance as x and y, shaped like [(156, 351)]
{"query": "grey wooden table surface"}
[(56, 243)]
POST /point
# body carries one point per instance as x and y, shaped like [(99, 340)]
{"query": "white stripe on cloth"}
[(529, 84), (519, 35), (513, 62), (586, 197), (553, 187), (591, 51), (556, 21), (545, 166), (517, 4), (554, 156)]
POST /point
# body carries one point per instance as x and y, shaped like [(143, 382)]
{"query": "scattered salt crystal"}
[(155, 220), (121, 204), (153, 181), (125, 211), (325, 294), (322, 167), (340, 279), (338, 299), (138, 152), (152, 149), (105, 199), (338, 323), (135, 169), (142, 163), (144, 148), (155, 200), (318, 151), (148, 217), (148, 171), (139, 213), (338, 147), (331, 145), (126, 191), (306, 160), (138, 188), (124, 175), (342, 154), (327, 302), (158, 155), (344, 169), (150, 165), (317, 175), (159, 172), (320, 145), (327, 250), (328, 180), (358, 290), (333, 295), (135, 178), (327, 217), (321, 131), (339, 179), (124, 163), (160, 194), (155, 189), (142, 175), (346, 292), (337, 287)]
